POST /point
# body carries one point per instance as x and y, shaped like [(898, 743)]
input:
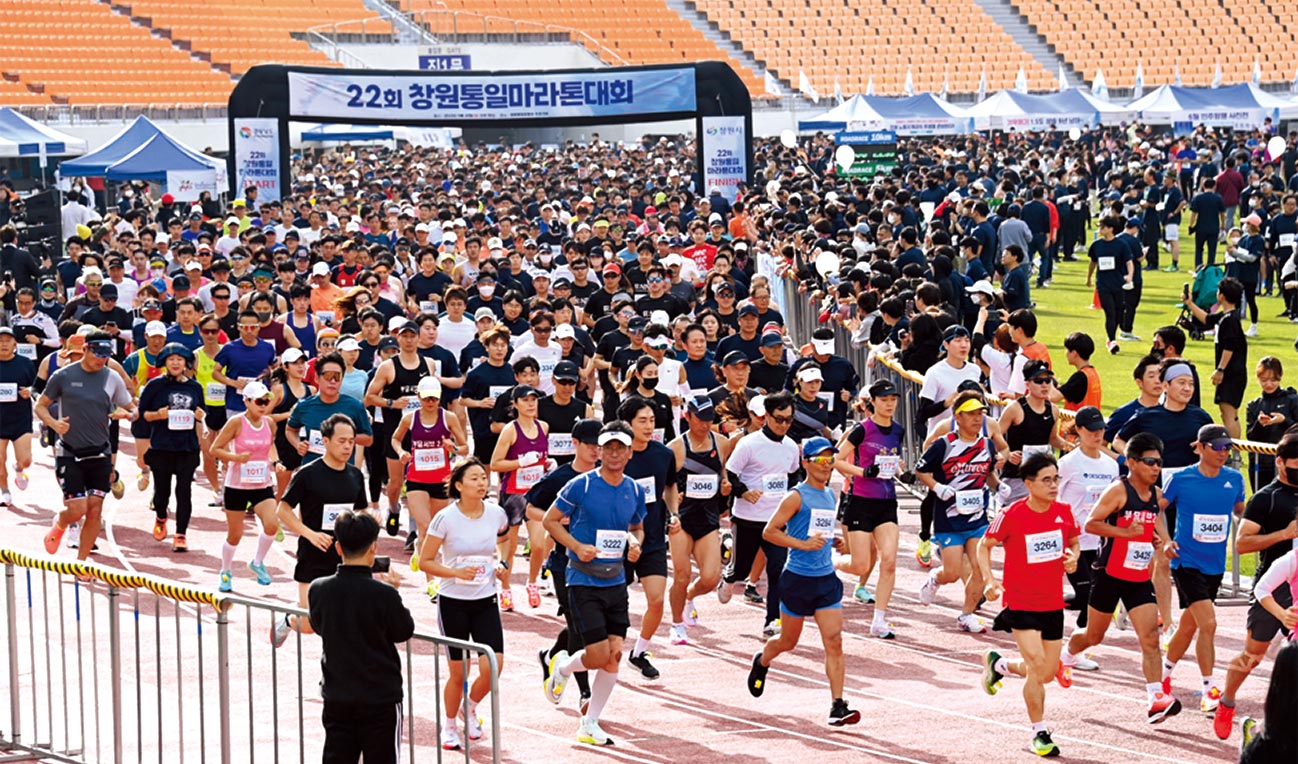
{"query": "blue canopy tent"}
[(23, 137), (855, 109), (923, 114), (144, 151), (1242, 107)]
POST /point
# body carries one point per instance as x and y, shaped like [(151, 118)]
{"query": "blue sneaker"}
[(863, 595), (259, 570), (227, 581)]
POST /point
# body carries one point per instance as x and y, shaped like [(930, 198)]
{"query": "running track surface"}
[(918, 695)]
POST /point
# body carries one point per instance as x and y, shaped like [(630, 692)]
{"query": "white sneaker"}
[(450, 736), (691, 614), (1165, 637), (1121, 620), (929, 589), (679, 637), (280, 631), (724, 592), (970, 623), (73, 536), (1252, 331), (475, 725), (590, 733), (771, 628), (5, 498), (1083, 663)]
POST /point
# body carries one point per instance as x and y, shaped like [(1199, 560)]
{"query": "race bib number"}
[(481, 567), (1093, 493), (659, 434), (650, 489), (413, 404), (547, 368), (1210, 529), (822, 523), (429, 459), (180, 419), (27, 350), (215, 391), (561, 444), (1139, 555), (1288, 239), (495, 391), (526, 477), (330, 514), (888, 466), (1107, 263), (8, 392), (254, 472), (314, 442), (326, 317), (1044, 547), (1030, 450), (701, 486), (610, 545), (969, 502), (777, 483), (427, 306), (828, 398)]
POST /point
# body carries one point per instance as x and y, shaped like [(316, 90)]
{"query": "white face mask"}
[(487, 291)]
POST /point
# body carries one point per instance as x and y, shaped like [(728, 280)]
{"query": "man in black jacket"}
[(360, 621)]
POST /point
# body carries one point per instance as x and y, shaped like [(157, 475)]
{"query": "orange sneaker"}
[(179, 544), (54, 537), (533, 595), (1064, 676), (159, 530), (1223, 721)]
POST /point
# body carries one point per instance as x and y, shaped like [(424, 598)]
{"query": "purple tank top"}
[(522, 479)]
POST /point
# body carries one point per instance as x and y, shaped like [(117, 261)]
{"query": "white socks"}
[(574, 663), (1039, 727), (263, 546), (1002, 666), (601, 687), (1153, 689), (227, 555), (1168, 667), (641, 646)]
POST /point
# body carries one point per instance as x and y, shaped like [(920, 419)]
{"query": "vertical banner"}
[(724, 153), (256, 157)]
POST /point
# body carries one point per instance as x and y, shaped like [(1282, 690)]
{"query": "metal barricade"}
[(120, 667)]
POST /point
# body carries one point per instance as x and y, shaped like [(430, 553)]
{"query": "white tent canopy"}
[(1021, 112), (22, 137), (1244, 106)]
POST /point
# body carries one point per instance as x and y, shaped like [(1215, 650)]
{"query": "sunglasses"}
[(1043, 380), (262, 401), (822, 460), (581, 268), (370, 285), (654, 280), (1218, 449), (332, 376), (1149, 461), (94, 283), (542, 329), (220, 297), (250, 327), (211, 331), (780, 419), (101, 351), (558, 381)]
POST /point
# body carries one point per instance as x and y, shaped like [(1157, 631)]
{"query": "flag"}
[(869, 86), (909, 87), (838, 92), (1063, 78), (982, 85), (804, 86), (1139, 89), (1099, 87), (946, 84), (1177, 79), (1216, 76), (1021, 81), (1257, 72), (772, 84)]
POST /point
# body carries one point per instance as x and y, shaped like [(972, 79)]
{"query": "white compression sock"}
[(227, 555), (641, 646), (601, 687), (574, 663), (1168, 668), (880, 617), (263, 546)]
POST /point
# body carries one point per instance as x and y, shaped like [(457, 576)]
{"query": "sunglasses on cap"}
[(1217, 447)]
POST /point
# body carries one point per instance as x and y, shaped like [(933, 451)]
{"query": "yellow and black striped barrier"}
[(113, 577)]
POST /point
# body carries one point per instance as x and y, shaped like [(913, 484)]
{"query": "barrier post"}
[(11, 621), (223, 677), (115, 670)]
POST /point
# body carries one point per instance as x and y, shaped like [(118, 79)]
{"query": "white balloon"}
[(845, 156), (827, 263), (927, 208), (789, 139), (1275, 147), (1075, 133)]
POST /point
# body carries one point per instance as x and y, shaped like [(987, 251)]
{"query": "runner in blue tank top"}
[(806, 523)]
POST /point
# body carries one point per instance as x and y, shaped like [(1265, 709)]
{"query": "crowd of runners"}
[(575, 351)]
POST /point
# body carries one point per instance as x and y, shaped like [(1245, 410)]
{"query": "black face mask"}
[(261, 316), (649, 384), (1291, 475)]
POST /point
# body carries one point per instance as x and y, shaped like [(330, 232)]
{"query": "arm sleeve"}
[(1282, 571), (928, 409)]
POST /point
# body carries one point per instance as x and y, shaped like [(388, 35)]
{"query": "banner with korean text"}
[(256, 157), (724, 163), (409, 96)]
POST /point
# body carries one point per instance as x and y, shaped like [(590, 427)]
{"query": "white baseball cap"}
[(155, 329), (254, 390), (292, 355), (320, 269), (564, 332), (809, 373), (429, 387), (349, 343)]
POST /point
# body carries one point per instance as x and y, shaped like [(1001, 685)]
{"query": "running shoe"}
[(1167, 685), (642, 663), (757, 676), (924, 554), (279, 534), (179, 544), (679, 637), (882, 631), (450, 737), (727, 546), (74, 537), (142, 481), (159, 530), (227, 581), (414, 563), (1042, 745), (543, 656), (1129, 337), (119, 487), (432, 590), (929, 589), (1252, 331), (20, 481), (1208, 703), (506, 600), (1162, 707), (555, 681), (991, 681), (474, 723), (771, 628), (1121, 620), (590, 733), (411, 538), (724, 592), (393, 524), (6, 499), (1223, 719), (691, 614), (1173, 268), (259, 570), (840, 714), (1064, 676), (970, 623), (1165, 637), (53, 537), (752, 595), (862, 594), (1248, 731), (1112, 346), (1083, 663), (583, 703), (280, 630), (533, 595)]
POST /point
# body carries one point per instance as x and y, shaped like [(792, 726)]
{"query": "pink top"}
[(257, 472)]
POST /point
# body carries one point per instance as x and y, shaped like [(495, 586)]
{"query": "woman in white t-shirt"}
[(460, 549)]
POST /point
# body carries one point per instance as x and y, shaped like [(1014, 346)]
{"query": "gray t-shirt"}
[(86, 400)]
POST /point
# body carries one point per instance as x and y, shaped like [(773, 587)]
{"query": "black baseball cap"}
[(1089, 418), (587, 431), (1214, 435), (734, 358), (1035, 368), (882, 387), (566, 370), (522, 391), (771, 339), (701, 407)]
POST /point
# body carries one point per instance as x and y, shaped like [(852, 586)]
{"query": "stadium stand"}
[(658, 35), (852, 42), (1093, 35), (81, 52)]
